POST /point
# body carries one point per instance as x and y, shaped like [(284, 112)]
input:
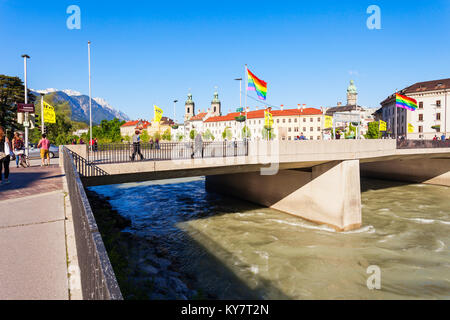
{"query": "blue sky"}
[(152, 52)]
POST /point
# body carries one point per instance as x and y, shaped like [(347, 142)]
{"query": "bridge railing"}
[(123, 152), (422, 144), (98, 280)]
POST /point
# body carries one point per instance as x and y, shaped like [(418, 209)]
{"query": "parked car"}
[(35, 152)]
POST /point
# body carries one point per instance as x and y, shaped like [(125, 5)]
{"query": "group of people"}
[(442, 138), (15, 150)]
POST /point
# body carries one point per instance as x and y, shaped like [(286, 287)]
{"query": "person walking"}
[(18, 149), (5, 152), (137, 145), (198, 146), (44, 144)]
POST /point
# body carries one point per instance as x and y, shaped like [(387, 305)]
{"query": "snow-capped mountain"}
[(79, 103)]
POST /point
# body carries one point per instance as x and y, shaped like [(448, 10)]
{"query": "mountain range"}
[(79, 104)]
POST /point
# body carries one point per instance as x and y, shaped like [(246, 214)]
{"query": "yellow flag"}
[(410, 128), (383, 126), (328, 122), (158, 114), (268, 120), (49, 113)]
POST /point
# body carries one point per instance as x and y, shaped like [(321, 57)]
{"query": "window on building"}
[(290, 138), (284, 120), (278, 120), (188, 110), (318, 128), (295, 120), (304, 119), (438, 103), (290, 130), (438, 116), (421, 117), (421, 105), (311, 129), (420, 129), (318, 138), (296, 129), (318, 119), (311, 138), (304, 129), (311, 119)]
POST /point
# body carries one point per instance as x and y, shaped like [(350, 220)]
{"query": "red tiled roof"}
[(135, 123), (198, 117), (259, 114)]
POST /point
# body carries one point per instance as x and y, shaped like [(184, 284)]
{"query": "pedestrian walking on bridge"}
[(5, 153), (137, 145)]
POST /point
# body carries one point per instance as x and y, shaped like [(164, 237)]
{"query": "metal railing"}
[(422, 144), (84, 168), (98, 280), (123, 152)]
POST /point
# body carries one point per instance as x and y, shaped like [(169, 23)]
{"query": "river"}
[(226, 248)]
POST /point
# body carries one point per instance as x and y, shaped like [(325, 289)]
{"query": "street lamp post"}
[(26, 122), (42, 113), (90, 94), (175, 110), (240, 99)]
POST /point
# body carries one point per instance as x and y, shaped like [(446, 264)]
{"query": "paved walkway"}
[(33, 250)]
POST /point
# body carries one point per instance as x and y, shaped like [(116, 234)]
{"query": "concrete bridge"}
[(315, 180)]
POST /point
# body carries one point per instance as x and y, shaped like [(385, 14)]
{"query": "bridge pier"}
[(328, 194), (427, 171)]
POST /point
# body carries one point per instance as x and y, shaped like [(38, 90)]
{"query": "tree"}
[(167, 135), (11, 92), (246, 133), (373, 131), (267, 133), (208, 135), (157, 136), (180, 136), (192, 134), (227, 134), (145, 137)]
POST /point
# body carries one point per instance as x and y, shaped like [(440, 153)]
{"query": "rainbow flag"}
[(258, 85), (405, 102)]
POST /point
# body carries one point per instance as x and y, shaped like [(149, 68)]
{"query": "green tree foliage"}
[(208, 135), (167, 135), (11, 92), (192, 134), (246, 133), (180, 136), (157, 136), (227, 134), (145, 137), (106, 132), (374, 131), (268, 134), (351, 133)]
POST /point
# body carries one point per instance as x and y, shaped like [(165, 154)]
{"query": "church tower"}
[(216, 106), (190, 108), (352, 94)]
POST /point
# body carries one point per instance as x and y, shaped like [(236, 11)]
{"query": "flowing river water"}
[(231, 249)]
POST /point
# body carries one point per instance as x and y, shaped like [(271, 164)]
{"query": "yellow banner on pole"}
[(328, 122), (49, 113), (268, 120), (383, 125), (410, 128), (158, 114)]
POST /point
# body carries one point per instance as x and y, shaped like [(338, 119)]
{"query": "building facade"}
[(431, 117)]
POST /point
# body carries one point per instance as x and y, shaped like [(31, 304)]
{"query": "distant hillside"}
[(79, 105)]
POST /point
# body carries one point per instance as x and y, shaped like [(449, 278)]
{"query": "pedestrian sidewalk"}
[(35, 244)]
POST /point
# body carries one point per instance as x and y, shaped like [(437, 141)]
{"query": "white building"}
[(431, 117)]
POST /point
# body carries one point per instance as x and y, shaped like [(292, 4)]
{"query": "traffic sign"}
[(22, 107)]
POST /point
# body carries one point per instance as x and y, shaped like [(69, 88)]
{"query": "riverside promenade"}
[(38, 251)]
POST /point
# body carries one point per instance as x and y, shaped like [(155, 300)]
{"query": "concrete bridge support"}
[(328, 194), (428, 171)]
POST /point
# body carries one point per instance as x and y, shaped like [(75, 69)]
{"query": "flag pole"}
[(246, 93), (395, 106)]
